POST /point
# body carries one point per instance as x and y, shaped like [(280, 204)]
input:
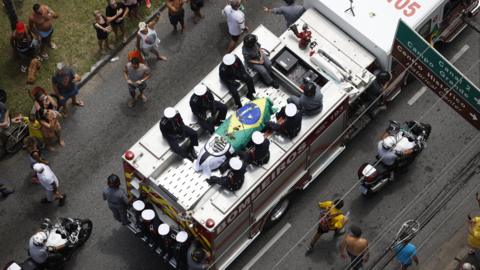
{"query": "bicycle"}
[(11, 138), (406, 233)]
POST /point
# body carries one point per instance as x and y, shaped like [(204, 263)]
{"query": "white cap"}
[(163, 229), (182, 236), (142, 26), (13, 266), (60, 65), (200, 90), (389, 142), (468, 266), (257, 137), (38, 167), (169, 112), (148, 214), (235, 163), (229, 59), (290, 110), (138, 205)]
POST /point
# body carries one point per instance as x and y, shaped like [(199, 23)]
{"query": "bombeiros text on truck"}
[(344, 55)]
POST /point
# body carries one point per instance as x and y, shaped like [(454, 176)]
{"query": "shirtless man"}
[(176, 13), (40, 21), (356, 247)]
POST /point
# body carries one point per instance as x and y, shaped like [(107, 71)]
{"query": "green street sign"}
[(436, 72)]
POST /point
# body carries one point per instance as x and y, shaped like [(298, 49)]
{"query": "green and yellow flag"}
[(238, 128)]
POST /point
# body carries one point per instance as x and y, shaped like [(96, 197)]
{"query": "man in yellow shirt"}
[(331, 219), (474, 233)]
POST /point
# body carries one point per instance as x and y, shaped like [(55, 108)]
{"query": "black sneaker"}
[(309, 251), (61, 202), (275, 84), (339, 232), (7, 192), (194, 154), (45, 200)]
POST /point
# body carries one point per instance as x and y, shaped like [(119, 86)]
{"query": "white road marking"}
[(459, 53), (267, 246), (417, 95), (422, 90)]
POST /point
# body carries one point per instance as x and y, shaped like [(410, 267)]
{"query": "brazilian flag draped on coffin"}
[(238, 128)]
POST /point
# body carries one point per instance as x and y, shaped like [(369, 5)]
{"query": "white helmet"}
[(257, 137), (148, 214), (291, 110), (169, 112), (228, 59), (235, 163), (389, 142), (181, 237), (163, 229), (138, 205), (200, 90), (39, 238)]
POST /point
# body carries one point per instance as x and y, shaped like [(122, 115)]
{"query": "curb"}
[(459, 259), (104, 60)]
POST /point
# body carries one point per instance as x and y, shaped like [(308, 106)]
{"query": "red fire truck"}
[(346, 51)]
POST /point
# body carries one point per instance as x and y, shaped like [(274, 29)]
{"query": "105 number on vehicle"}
[(408, 7)]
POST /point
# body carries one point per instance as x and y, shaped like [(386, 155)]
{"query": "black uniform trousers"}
[(209, 124), (233, 85), (174, 141)]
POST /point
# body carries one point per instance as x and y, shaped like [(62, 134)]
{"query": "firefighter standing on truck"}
[(331, 219)]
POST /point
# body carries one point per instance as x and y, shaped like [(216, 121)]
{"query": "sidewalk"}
[(449, 252)]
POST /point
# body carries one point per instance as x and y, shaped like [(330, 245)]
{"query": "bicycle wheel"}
[(3, 96), (2, 148), (15, 140)]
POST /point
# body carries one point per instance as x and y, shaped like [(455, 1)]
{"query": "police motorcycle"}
[(65, 235), (409, 135)]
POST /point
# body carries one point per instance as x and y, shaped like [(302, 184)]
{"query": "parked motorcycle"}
[(375, 175), (71, 233)]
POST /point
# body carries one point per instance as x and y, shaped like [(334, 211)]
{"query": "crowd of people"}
[(31, 41)]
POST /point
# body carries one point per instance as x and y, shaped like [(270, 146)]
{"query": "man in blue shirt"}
[(405, 253)]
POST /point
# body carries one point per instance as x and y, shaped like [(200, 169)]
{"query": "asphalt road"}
[(97, 135)]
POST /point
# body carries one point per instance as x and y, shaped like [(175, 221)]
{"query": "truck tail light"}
[(129, 155), (210, 223)]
